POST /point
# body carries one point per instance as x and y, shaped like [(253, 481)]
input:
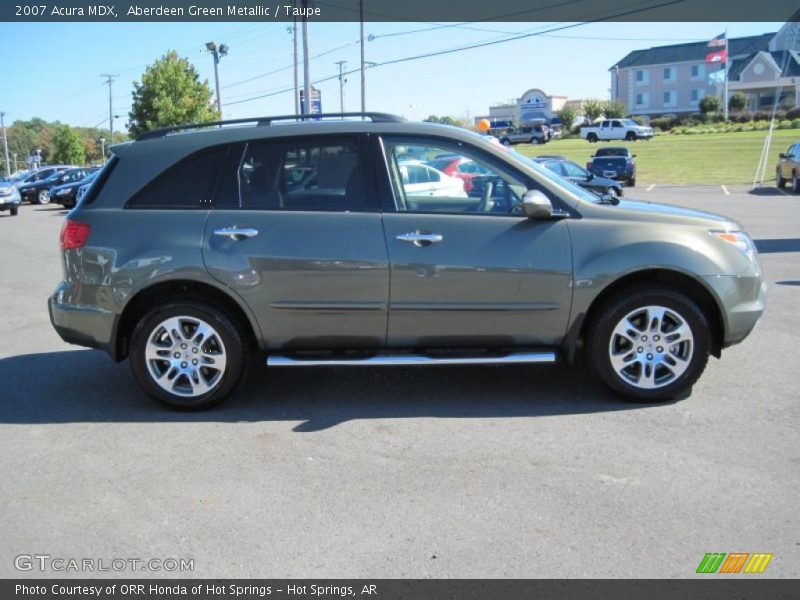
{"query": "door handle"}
[(236, 233), (420, 239)]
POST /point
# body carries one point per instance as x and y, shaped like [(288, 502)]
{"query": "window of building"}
[(698, 72), (697, 95), (670, 98), (642, 77), (669, 74), (642, 99)]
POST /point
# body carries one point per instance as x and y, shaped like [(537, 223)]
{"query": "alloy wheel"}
[(651, 347)]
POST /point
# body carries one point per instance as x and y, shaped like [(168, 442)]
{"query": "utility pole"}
[(306, 66), (217, 52), (296, 66), (363, 70), (109, 81), (5, 143), (15, 161), (727, 62), (102, 148), (342, 80)]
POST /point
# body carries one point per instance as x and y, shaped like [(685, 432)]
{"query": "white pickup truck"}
[(616, 129)]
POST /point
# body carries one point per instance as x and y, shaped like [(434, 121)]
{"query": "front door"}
[(296, 233), (469, 270)]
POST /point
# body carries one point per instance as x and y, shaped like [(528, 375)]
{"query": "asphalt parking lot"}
[(448, 472)]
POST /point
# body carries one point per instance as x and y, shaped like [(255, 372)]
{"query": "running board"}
[(391, 360)]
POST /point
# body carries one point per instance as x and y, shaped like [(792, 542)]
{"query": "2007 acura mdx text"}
[(200, 248)]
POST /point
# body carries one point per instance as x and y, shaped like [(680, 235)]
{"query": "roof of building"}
[(693, 51), (789, 62)]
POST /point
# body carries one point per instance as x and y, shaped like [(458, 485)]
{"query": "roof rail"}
[(375, 117)]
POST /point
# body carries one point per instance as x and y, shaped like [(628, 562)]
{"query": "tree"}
[(614, 109), (67, 147), (567, 116), (170, 93), (737, 102), (710, 104), (593, 109)]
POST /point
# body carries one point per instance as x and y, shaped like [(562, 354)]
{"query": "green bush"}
[(793, 113), (661, 123), (796, 123)]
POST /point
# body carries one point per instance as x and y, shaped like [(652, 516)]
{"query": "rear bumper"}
[(742, 300), (87, 326)]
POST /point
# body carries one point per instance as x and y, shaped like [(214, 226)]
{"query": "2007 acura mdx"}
[(200, 248)]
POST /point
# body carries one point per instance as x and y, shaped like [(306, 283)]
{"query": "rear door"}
[(295, 231), (472, 272)]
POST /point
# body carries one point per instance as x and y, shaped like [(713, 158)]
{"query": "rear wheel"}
[(187, 355), (649, 344), (505, 142), (591, 138), (43, 197), (632, 182), (535, 141)]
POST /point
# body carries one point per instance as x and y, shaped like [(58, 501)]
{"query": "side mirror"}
[(536, 205), (589, 176), (782, 155), (633, 156)]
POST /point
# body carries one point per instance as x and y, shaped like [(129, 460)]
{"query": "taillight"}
[(74, 234)]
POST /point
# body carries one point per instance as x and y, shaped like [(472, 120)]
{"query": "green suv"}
[(201, 248)]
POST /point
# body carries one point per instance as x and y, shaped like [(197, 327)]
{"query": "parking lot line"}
[(725, 190), (650, 187)]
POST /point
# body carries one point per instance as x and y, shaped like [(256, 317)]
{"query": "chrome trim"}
[(236, 233), (390, 360), (420, 239)]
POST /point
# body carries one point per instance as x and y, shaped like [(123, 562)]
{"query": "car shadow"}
[(769, 191), (778, 245), (86, 386), (51, 209)]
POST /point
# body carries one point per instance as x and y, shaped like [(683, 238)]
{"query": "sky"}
[(56, 75)]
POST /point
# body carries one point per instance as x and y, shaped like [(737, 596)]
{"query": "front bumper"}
[(87, 326), (9, 202), (742, 301)]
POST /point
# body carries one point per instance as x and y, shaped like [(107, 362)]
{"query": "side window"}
[(616, 124), (572, 170), (317, 174), (482, 186), (187, 184)]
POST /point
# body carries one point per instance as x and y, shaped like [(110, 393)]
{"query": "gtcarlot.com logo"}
[(735, 562), (46, 562)]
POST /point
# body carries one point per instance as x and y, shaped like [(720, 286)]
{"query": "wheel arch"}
[(682, 282), (162, 292)]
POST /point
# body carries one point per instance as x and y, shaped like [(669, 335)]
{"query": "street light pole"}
[(5, 143), (306, 66), (296, 65), (109, 81), (102, 148), (217, 52), (341, 64)]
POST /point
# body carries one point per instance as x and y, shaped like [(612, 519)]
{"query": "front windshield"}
[(630, 123)]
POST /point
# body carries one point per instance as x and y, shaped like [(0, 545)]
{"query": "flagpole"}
[(727, 60)]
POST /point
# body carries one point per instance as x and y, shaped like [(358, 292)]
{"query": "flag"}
[(720, 56), (718, 41), (716, 77)]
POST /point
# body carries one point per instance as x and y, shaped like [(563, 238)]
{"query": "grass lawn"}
[(704, 158)]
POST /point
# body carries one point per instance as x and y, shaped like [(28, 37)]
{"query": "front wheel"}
[(795, 184), (780, 181), (188, 355), (535, 141), (14, 211), (612, 191), (630, 136), (591, 138), (632, 182), (505, 142), (649, 344)]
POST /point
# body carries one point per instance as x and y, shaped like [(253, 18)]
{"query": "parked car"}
[(616, 129), (788, 168), (456, 165), (527, 134), (39, 191), (190, 257), (614, 162), (421, 179), (580, 176), (9, 197), (66, 194), (39, 174)]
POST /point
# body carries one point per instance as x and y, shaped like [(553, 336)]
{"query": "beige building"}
[(673, 79), (533, 105)]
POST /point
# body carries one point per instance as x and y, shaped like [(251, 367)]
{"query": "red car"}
[(458, 166)]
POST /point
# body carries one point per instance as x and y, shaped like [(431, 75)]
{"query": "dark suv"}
[(614, 162), (199, 249)]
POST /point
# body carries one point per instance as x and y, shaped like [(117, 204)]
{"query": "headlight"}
[(739, 240)]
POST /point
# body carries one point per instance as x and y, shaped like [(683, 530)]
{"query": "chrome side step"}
[(391, 360)]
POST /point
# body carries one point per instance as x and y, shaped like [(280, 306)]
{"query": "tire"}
[(43, 197), (779, 181), (632, 182), (631, 378), (535, 141), (795, 184), (505, 142), (630, 136), (14, 211), (193, 387), (612, 191), (591, 138)]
